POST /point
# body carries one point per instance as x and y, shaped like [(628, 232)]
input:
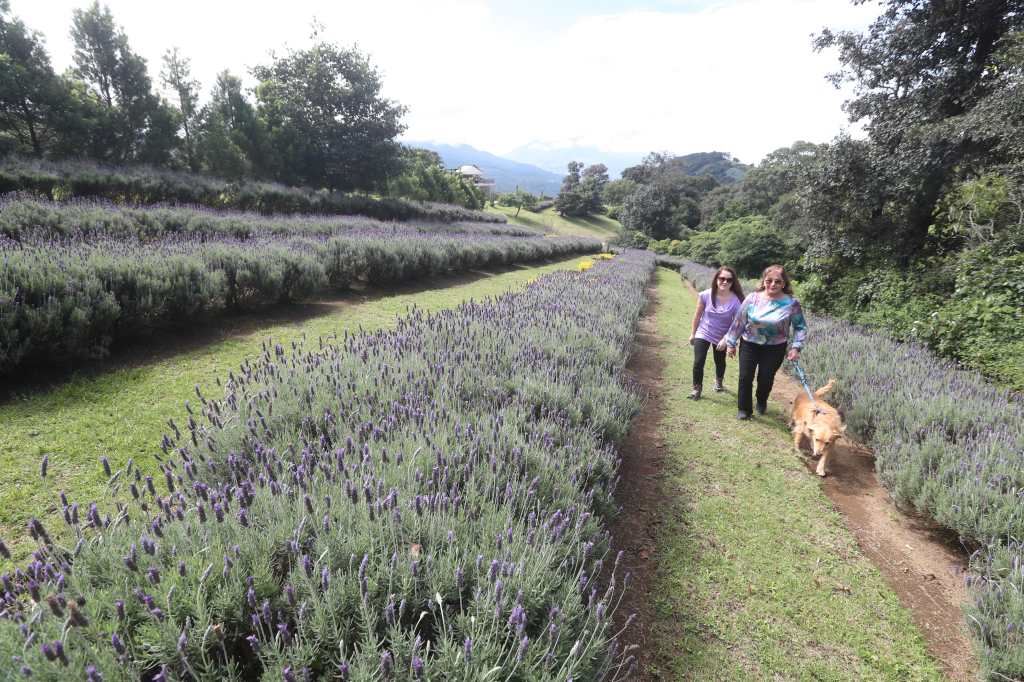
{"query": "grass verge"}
[(757, 576), (596, 226), (122, 413)]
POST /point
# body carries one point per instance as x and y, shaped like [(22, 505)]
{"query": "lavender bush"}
[(68, 293), (947, 443), (420, 503), (21, 214), (700, 275), (145, 185)]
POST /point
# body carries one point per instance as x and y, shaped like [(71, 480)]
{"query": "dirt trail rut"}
[(921, 564)]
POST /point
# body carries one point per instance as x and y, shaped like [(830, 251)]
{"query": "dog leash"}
[(803, 380)]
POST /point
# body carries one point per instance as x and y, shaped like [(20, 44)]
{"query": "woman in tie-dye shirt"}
[(762, 330)]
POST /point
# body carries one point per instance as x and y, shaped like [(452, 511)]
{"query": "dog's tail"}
[(825, 389)]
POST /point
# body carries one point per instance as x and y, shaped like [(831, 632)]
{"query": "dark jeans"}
[(700, 356), (765, 361)]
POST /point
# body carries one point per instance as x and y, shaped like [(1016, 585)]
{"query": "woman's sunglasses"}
[(725, 279)]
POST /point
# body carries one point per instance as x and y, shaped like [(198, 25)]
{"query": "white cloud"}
[(738, 77)]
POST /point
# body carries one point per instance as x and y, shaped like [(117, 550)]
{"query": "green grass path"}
[(548, 221), (758, 578), (122, 413)]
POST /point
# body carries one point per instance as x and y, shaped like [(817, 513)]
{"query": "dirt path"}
[(920, 563), (922, 566), (640, 490)]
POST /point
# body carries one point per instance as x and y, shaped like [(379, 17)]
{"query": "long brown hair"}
[(737, 288), (786, 288)]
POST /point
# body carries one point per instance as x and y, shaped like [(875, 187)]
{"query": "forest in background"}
[(316, 117), (918, 228)]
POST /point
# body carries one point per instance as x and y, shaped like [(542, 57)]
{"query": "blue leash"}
[(803, 380)]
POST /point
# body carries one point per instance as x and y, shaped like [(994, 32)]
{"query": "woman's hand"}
[(731, 352), (692, 337), (793, 354), (722, 345)]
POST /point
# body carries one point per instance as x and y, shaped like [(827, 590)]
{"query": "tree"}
[(232, 140), (32, 96), (592, 184), (177, 76), (520, 199), (326, 118), (582, 189), (120, 80), (616, 191), (569, 200), (424, 178), (649, 210), (919, 66)]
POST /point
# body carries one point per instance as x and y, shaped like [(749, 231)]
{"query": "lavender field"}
[(948, 444), (78, 277), (143, 185), (421, 503)]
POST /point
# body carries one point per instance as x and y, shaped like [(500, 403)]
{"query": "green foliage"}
[(424, 178), (748, 244), (326, 119), (984, 210), (518, 200), (650, 210), (582, 190), (33, 99)]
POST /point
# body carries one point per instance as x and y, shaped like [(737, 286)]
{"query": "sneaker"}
[(695, 393), (742, 415), (762, 407), (718, 386)]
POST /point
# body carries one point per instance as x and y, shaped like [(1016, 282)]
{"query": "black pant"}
[(763, 359), (700, 355)]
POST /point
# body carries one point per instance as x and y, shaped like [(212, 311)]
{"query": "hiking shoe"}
[(742, 415), (718, 386), (695, 393), (762, 407)]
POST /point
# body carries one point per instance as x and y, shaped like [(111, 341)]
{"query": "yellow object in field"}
[(604, 256), (586, 264)]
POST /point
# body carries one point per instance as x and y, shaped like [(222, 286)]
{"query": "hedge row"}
[(421, 503), (135, 185), (949, 444), (70, 299), (21, 215)]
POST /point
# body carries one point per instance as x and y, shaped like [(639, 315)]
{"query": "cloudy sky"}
[(626, 76)]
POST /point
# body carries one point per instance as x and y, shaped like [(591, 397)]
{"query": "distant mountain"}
[(507, 174), (555, 159)]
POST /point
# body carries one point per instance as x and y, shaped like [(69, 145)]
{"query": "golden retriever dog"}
[(820, 422)]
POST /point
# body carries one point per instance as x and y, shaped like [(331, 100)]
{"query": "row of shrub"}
[(947, 443), (71, 299), (21, 214), (141, 185), (419, 503)]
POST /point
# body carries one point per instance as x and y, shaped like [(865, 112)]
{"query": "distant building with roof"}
[(472, 172)]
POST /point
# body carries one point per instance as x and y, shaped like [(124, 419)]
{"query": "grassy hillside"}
[(598, 227)]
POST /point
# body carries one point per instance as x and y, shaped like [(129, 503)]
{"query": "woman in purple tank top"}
[(716, 308)]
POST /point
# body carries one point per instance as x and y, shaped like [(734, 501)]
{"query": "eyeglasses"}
[(725, 279)]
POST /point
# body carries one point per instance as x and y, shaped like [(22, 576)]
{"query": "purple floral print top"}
[(767, 322)]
